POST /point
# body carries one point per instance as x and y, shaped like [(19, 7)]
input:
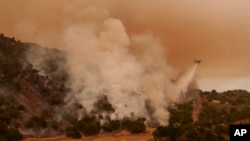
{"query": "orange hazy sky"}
[(218, 32)]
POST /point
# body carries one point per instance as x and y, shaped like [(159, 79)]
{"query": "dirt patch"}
[(114, 136)]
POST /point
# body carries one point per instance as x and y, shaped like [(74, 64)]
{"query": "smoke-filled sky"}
[(218, 32)]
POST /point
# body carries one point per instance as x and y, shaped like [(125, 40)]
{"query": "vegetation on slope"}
[(25, 93), (217, 112)]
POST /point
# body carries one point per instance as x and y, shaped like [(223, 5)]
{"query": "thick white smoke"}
[(102, 62), (131, 70)]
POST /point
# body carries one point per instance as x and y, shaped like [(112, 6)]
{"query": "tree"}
[(13, 135), (89, 125), (36, 122), (171, 131), (111, 125), (136, 126), (4, 116), (104, 105), (9, 134), (73, 133)]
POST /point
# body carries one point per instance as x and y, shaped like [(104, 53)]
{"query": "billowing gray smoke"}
[(103, 59)]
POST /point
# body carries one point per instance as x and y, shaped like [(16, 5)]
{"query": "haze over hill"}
[(44, 78), (104, 65), (216, 32), (104, 58), (43, 102)]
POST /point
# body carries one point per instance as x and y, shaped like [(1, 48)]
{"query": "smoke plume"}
[(215, 31), (129, 70), (105, 59)]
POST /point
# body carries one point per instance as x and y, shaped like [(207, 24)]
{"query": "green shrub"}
[(73, 133), (89, 125), (13, 135), (111, 125), (9, 134), (104, 105), (136, 126), (171, 131), (4, 116), (14, 112), (36, 122)]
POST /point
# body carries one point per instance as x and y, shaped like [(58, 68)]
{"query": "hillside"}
[(208, 117), (25, 94), (32, 98), (32, 105)]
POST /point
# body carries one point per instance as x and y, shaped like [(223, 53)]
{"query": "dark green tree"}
[(73, 133), (111, 125), (136, 126), (36, 122), (171, 131), (89, 125)]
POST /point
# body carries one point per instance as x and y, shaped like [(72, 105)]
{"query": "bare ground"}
[(114, 136)]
